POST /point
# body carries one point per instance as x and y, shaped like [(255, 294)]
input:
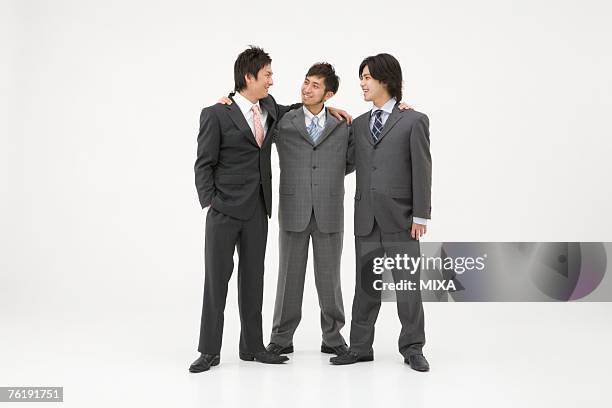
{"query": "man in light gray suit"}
[(392, 205), (315, 153)]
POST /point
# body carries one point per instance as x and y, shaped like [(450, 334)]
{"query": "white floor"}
[(481, 355)]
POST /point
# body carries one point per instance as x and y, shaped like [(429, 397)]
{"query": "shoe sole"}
[(360, 360), (419, 370)]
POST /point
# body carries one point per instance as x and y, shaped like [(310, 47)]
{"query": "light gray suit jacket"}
[(394, 174), (312, 175)]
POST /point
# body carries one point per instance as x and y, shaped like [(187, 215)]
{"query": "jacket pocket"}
[(287, 189), (230, 179), (401, 192)]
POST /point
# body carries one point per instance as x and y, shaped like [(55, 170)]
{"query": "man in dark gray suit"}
[(233, 178), (392, 205), (315, 151)]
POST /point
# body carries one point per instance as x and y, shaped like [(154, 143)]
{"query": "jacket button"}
[(314, 148), (314, 167), (374, 168)]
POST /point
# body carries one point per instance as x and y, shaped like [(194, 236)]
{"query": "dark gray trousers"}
[(223, 235), (367, 300)]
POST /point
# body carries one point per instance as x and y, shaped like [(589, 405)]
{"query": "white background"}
[(101, 235)]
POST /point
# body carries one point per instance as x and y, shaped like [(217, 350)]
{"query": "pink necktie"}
[(259, 131)]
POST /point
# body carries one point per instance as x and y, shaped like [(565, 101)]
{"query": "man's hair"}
[(326, 71), (386, 69), (249, 61)]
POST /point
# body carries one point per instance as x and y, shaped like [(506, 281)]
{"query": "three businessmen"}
[(316, 150)]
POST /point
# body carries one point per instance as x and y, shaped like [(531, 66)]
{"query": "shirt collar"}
[(244, 104), (309, 115), (387, 107)]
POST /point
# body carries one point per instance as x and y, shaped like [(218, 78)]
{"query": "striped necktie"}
[(378, 125), (314, 130)]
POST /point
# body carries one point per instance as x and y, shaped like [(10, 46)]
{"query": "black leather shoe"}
[(338, 350), (278, 349), (204, 362), (264, 357), (417, 362), (350, 357)]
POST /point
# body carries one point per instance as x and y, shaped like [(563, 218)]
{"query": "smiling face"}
[(313, 91), (257, 88), (373, 90)]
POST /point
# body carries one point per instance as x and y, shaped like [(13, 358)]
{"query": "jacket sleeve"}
[(282, 109), (350, 152), (209, 139), (421, 168)]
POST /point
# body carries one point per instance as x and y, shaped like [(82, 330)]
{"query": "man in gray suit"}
[(315, 152), (392, 205)]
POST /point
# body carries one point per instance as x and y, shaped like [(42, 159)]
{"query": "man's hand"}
[(341, 115), (404, 106), (224, 100), (418, 230)]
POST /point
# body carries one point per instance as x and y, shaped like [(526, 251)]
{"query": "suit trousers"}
[(293, 257), (223, 235), (367, 300)]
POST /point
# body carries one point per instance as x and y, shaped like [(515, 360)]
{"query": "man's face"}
[(258, 87), (372, 88), (313, 91)]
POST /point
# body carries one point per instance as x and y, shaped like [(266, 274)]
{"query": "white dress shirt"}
[(387, 108), (245, 107), (308, 116)]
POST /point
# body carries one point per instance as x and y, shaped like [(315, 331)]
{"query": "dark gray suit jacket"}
[(312, 175), (394, 174), (230, 166)]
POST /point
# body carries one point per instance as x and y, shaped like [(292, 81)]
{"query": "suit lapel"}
[(267, 104), (269, 107), (237, 117), (364, 128), (299, 121), (391, 121), (331, 123)]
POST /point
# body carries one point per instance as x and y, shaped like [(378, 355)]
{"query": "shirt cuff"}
[(417, 220)]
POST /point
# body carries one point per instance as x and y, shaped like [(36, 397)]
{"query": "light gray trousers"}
[(293, 257)]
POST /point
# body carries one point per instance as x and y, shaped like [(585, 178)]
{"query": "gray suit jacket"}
[(394, 174), (312, 176)]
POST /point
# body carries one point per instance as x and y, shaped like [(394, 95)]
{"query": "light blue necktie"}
[(314, 130)]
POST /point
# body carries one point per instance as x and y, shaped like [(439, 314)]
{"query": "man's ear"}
[(248, 77), (328, 96)]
